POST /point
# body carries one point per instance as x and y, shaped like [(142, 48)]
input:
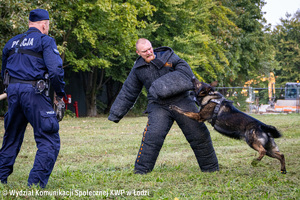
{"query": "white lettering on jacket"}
[(26, 42)]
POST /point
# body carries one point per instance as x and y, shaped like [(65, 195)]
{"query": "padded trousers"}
[(160, 121)]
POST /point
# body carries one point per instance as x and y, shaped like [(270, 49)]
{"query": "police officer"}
[(27, 58), (167, 79)]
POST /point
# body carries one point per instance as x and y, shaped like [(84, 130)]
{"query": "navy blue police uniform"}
[(167, 80), (27, 58)]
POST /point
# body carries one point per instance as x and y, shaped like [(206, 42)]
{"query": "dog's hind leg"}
[(275, 153), (281, 158)]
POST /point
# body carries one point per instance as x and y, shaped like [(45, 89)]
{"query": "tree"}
[(250, 51), (221, 39), (185, 25), (13, 19), (97, 38), (287, 42)]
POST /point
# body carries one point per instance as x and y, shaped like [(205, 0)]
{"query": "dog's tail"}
[(272, 130)]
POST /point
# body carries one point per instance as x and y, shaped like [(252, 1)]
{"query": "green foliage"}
[(221, 40), (92, 36), (287, 42), (14, 17), (99, 34), (185, 26), (249, 50)]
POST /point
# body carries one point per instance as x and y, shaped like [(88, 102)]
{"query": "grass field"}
[(97, 158)]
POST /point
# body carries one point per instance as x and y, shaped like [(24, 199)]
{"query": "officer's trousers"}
[(25, 105), (160, 120)]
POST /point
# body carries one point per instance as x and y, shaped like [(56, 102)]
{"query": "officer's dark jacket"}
[(166, 79), (31, 68)]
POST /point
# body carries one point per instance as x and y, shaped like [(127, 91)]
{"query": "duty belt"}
[(15, 80), (39, 85)]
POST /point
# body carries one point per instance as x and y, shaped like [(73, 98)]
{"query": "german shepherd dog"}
[(231, 122)]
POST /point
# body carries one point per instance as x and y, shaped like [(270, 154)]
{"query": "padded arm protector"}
[(170, 85), (173, 83)]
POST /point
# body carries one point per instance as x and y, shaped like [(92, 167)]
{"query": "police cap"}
[(38, 15)]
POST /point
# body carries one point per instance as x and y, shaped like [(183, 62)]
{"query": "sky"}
[(277, 9)]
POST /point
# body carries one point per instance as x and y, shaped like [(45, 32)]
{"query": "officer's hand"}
[(59, 108)]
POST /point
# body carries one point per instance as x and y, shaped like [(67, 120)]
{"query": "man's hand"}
[(59, 108), (113, 118)]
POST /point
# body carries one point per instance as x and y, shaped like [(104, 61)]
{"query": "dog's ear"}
[(214, 84), (197, 84)]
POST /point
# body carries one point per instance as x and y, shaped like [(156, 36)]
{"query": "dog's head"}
[(205, 92), (203, 89)]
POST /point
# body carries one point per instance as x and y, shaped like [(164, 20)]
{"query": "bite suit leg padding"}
[(198, 137), (158, 126), (160, 120)]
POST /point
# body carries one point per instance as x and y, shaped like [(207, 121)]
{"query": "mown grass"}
[(98, 156)]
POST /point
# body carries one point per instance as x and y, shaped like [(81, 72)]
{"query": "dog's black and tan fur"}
[(233, 123)]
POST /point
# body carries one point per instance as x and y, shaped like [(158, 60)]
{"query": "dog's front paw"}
[(177, 109)]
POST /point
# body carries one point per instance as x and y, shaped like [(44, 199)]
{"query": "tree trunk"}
[(90, 80), (93, 82), (112, 92), (91, 105)]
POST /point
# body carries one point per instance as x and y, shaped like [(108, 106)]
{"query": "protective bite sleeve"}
[(170, 84)]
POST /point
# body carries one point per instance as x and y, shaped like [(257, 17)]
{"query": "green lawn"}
[(97, 158)]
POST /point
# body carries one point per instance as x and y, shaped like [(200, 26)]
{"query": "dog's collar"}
[(218, 101)]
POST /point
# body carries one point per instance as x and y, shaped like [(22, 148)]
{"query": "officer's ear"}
[(44, 27)]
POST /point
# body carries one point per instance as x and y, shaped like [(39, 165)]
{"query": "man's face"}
[(145, 50)]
